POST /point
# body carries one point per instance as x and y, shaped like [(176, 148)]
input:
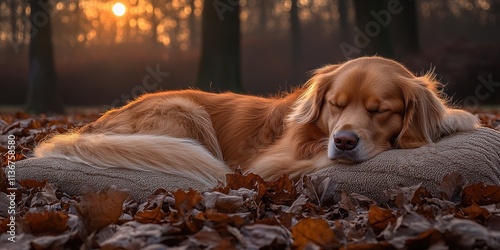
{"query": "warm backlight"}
[(119, 9)]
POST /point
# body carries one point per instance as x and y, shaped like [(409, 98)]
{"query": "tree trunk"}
[(405, 30), (43, 95), (13, 20), (295, 32), (154, 24), (192, 25), (220, 56), (375, 41), (344, 30)]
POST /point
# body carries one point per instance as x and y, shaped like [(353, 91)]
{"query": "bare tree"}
[(13, 20), (192, 24), (342, 7), (377, 41), (43, 95), (220, 56), (405, 29), (295, 32)]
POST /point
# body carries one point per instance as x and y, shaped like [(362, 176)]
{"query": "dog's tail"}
[(183, 157)]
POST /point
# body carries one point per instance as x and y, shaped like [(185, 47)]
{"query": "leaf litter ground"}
[(245, 213)]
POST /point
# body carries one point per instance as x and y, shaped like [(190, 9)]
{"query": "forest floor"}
[(245, 213)]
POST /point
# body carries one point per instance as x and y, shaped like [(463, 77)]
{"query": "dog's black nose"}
[(345, 140)]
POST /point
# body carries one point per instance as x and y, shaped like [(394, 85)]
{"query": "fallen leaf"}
[(420, 196), (222, 202), (451, 186), (296, 206), (213, 216), (151, 212), (46, 196), (313, 230), (466, 234), (185, 201), (481, 194), (211, 239), (380, 218), (250, 181), (364, 201), (261, 236), (48, 222), (475, 212), (426, 240), (403, 195), (29, 183), (384, 245), (99, 209), (50, 242), (282, 190), (135, 235), (320, 189), (346, 202)]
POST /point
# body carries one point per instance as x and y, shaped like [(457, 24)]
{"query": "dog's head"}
[(372, 104)]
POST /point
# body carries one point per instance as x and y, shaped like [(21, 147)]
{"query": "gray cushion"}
[(77, 178), (475, 155)]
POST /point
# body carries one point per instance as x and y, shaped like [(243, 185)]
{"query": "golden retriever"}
[(346, 113)]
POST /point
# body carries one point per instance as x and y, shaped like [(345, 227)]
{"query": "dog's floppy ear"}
[(426, 116), (308, 106)]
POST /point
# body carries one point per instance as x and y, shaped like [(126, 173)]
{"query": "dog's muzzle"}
[(342, 147)]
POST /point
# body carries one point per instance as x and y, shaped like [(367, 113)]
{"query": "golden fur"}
[(346, 113)]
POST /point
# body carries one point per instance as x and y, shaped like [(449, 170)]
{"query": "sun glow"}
[(119, 9)]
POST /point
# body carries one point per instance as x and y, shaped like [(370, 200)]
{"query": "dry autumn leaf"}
[(185, 201), (481, 194), (426, 239), (28, 183), (50, 242), (48, 222), (379, 218), (282, 191), (151, 212), (466, 234), (475, 212), (420, 195), (211, 216), (384, 245), (223, 202), (210, 238), (99, 209), (451, 186), (260, 236), (313, 231), (250, 181), (320, 189)]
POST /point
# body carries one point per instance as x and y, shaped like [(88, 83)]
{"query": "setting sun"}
[(119, 9)]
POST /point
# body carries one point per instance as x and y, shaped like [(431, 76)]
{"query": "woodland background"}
[(57, 54), (249, 46)]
